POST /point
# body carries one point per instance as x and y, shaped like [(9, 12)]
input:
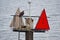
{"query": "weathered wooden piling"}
[(29, 35)]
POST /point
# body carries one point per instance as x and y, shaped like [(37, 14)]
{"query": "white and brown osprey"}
[(29, 23), (17, 21)]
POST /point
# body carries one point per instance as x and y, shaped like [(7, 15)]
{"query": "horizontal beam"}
[(25, 16), (33, 16), (28, 16), (32, 30)]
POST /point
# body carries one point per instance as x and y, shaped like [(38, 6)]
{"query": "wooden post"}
[(29, 35)]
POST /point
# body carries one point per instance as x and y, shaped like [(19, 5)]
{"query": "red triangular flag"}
[(42, 23)]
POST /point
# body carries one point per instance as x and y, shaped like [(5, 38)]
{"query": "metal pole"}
[(18, 35), (19, 29), (29, 7)]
